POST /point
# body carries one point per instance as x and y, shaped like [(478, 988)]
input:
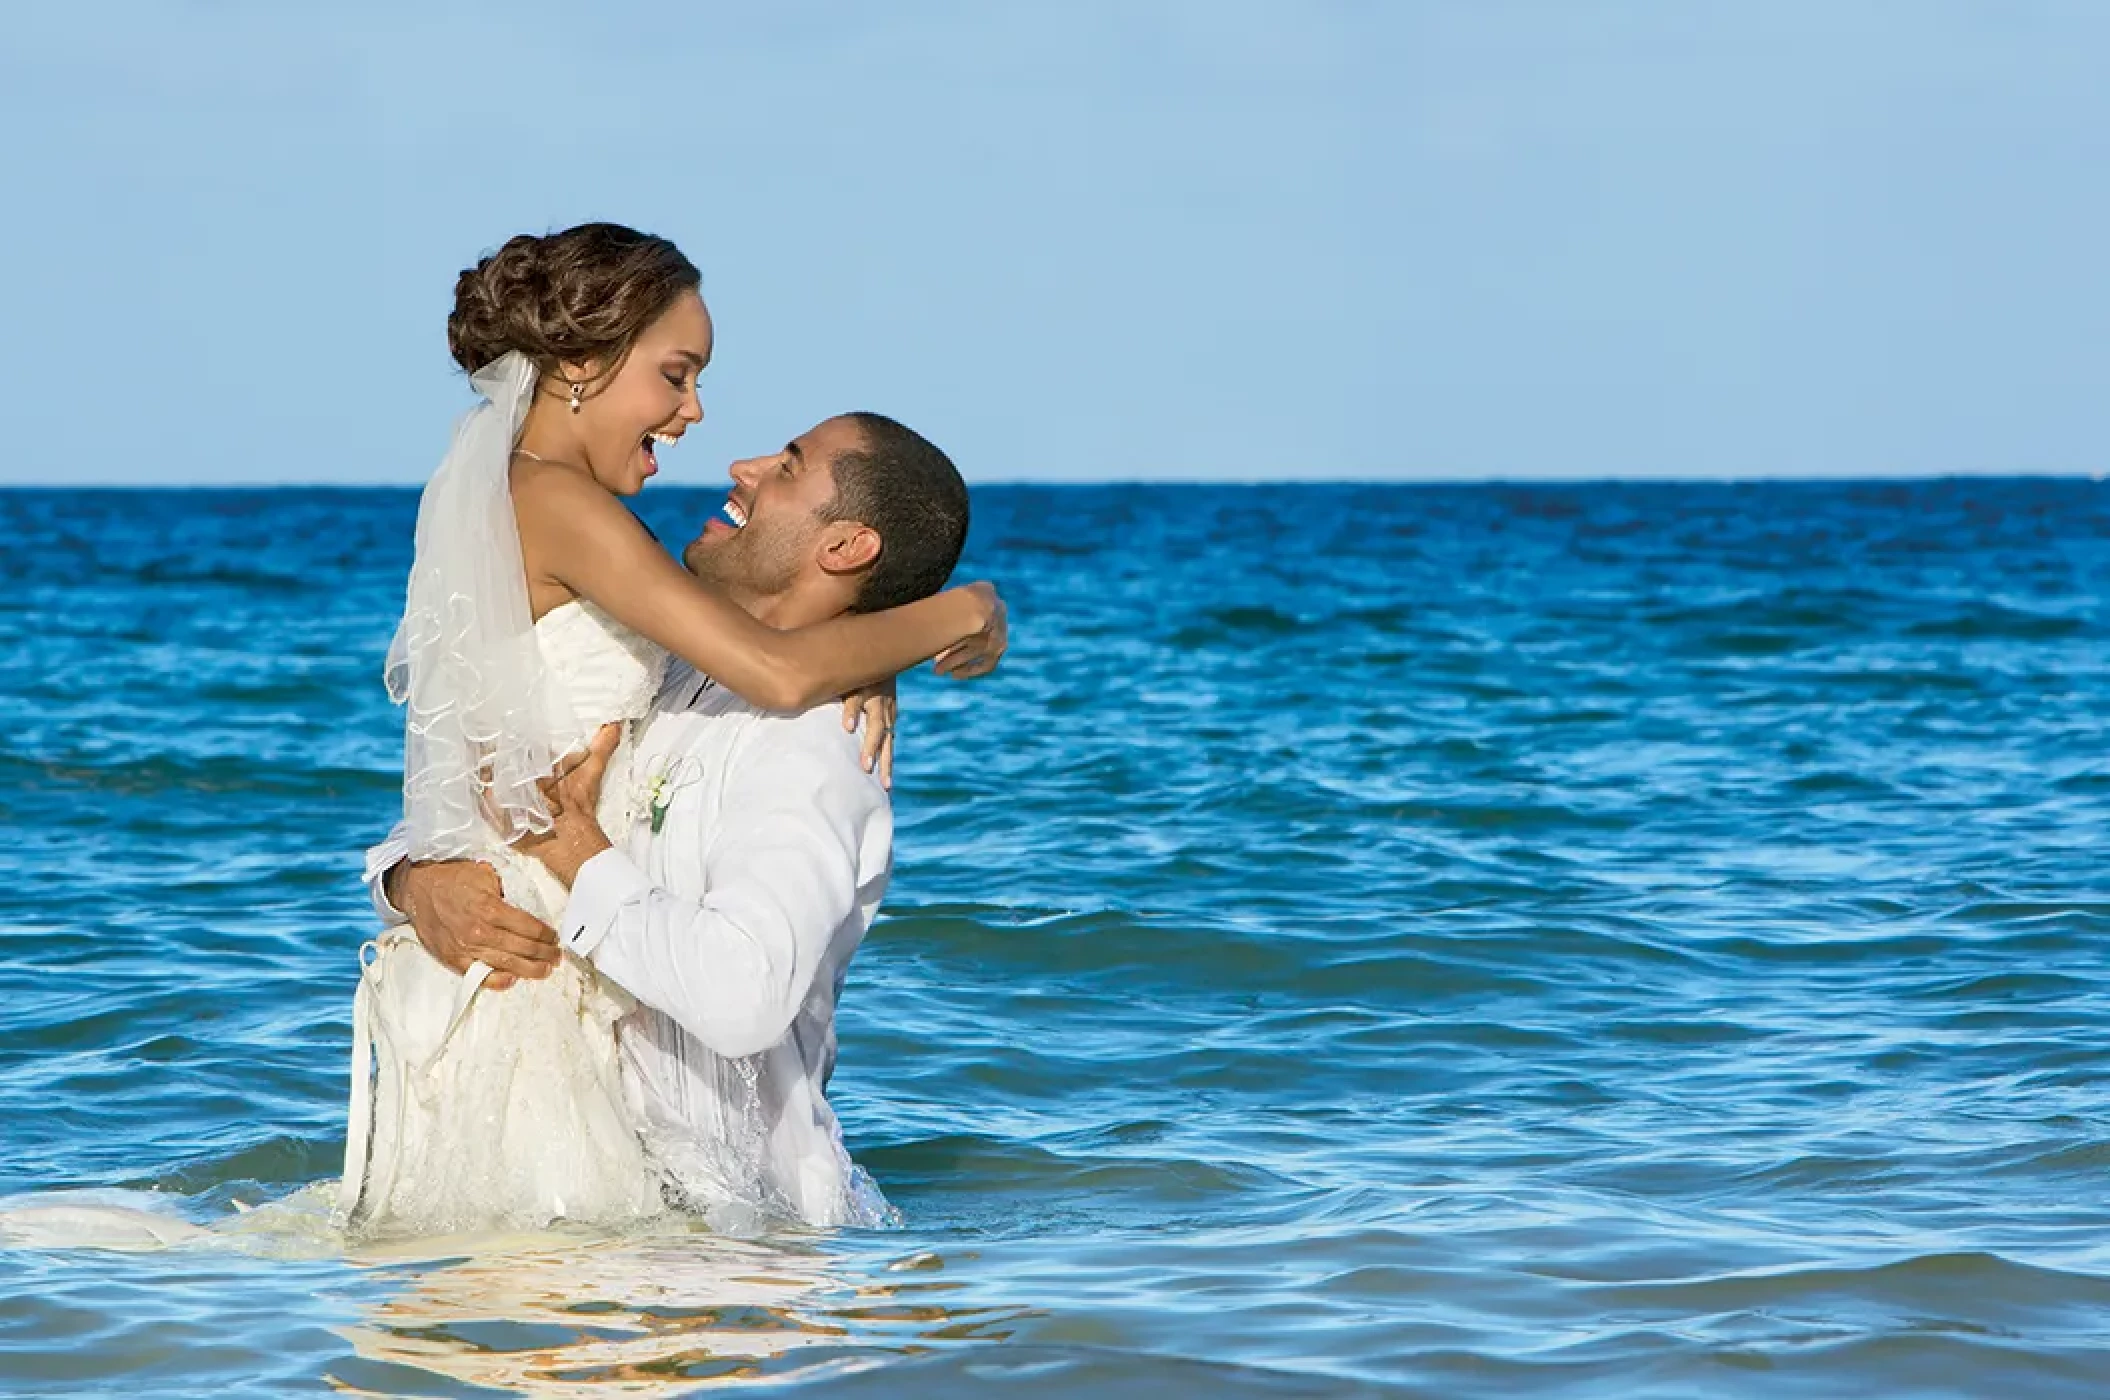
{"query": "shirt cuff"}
[(598, 893), (379, 861)]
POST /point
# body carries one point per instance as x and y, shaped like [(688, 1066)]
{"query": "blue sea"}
[(1568, 940)]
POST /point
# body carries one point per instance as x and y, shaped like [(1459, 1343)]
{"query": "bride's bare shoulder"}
[(547, 490), (537, 480)]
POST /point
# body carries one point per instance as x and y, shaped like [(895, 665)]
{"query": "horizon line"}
[(1732, 479), (1142, 481)]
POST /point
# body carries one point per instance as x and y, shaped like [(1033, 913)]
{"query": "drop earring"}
[(576, 389)]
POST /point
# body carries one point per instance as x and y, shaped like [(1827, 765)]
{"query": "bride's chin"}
[(627, 480), (637, 470)]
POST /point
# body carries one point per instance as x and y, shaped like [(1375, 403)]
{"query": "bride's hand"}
[(878, 707), (977, 655)]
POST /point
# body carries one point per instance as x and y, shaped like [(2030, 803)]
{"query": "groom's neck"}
[(801, 605)]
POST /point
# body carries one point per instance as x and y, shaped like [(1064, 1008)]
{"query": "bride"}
[(538, 610)]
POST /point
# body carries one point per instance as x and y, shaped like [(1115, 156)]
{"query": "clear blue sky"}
[(1087, 239)]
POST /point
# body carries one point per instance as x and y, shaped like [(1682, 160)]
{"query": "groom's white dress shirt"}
[(733, 926)]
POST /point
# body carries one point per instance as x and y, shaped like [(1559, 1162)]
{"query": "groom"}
[(732, 908)]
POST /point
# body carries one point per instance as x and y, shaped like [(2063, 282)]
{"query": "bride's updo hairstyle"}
[(583, 294)]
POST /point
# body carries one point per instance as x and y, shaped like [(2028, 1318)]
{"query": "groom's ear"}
[(848, 547)]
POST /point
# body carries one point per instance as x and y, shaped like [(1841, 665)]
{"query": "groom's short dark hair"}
[(908, 491)]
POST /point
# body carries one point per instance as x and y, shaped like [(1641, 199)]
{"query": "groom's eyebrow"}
[(798, 458)]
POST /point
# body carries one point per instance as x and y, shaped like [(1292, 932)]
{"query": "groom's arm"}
[(458, 911), (733, 965), (382, 864)]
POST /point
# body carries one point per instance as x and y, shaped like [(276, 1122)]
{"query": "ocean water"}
[(1556, 940)]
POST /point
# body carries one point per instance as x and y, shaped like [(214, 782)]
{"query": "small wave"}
[(2089, 1161), (1221, 625), (1004, 1166), (1100, 1372), (258, 1169), (146, 777), (1818, 614), (161, 571), (1986, 990), (1968, 1281), (1837, 782), (1986, 621), (2083, 914)]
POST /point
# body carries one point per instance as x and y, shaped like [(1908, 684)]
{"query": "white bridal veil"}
[(484, 722)]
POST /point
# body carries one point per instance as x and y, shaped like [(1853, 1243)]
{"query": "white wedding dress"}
[(473, 1109)]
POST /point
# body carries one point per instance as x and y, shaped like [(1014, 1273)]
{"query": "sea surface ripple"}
[(1559, 940)]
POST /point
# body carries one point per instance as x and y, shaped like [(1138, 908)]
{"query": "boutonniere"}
[(660, 788)]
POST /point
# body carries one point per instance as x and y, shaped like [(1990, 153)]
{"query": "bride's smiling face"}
[(625, 419)]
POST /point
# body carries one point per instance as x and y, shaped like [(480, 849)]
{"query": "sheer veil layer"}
[(484, 720)]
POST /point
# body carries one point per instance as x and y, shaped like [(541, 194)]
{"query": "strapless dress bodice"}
[(606, 671)]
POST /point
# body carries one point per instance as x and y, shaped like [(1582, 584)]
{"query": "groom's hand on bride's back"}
[(461, 917)]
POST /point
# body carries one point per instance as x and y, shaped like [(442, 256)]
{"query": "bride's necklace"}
[(546, 461)]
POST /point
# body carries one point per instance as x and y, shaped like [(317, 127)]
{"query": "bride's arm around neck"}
[(579, 539)]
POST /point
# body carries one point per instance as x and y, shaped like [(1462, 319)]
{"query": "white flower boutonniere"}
[(659, 789)]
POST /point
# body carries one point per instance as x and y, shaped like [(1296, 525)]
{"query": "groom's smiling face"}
[(771, 526)]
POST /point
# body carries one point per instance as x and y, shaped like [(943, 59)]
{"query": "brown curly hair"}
[(582, 294)]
